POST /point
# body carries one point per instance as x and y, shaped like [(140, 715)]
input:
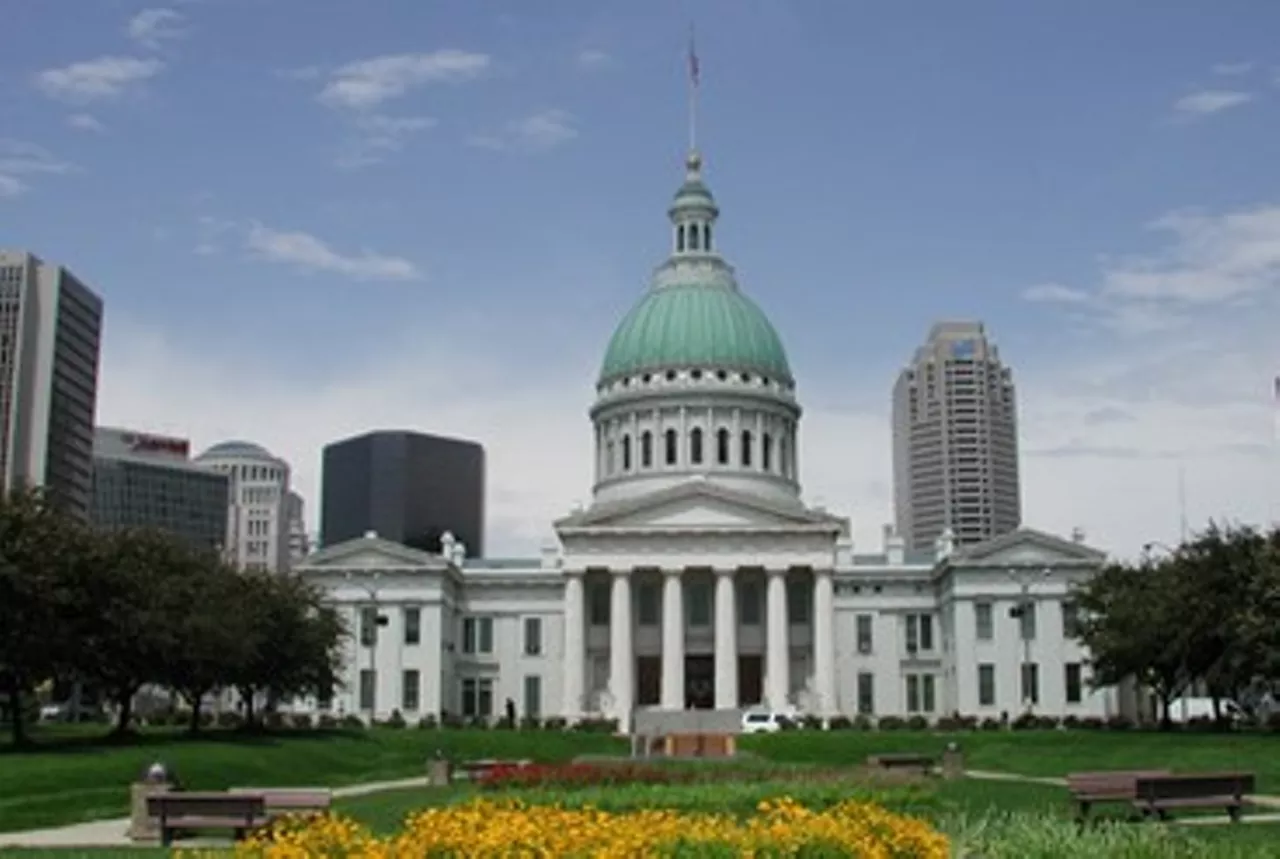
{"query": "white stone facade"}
[(878, 635)]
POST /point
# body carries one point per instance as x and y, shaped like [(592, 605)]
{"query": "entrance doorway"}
[(750, 679), (699, 682)]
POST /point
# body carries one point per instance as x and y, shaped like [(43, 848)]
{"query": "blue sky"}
[(310, 219)]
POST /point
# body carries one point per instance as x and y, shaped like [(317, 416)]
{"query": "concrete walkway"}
[(114, 832)]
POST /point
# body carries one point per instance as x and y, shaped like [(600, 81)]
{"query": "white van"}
[(1184, 710)]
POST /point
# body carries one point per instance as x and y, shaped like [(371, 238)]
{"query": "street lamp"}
[(378, 620), (1024, 579)]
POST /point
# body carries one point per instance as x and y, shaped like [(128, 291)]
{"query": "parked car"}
[(1183, 710), (764, 722)]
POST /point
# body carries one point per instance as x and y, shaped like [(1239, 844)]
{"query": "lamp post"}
[(1024, 578), (378, 620)]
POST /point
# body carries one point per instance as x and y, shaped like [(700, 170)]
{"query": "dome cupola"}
[(695, 380)]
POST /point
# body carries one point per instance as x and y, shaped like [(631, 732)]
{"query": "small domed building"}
[(697, 578)]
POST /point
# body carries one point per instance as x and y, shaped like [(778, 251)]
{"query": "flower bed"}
[(484, 828)]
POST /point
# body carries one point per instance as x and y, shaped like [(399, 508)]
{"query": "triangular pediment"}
[(1027, 546), (699, 504), (371, 552)]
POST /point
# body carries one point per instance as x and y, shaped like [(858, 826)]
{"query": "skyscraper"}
[(955, 440), (408, 487), (50, 326)]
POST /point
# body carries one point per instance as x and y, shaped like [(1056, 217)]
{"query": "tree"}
[(206, 634), (40, 550), (1133, 625)]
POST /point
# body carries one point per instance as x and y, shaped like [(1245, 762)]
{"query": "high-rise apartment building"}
[(408, 487), (258, 504), (955, 440), (141, 480), (50, 328)]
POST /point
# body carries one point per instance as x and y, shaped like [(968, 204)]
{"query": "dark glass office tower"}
[(408, 487)]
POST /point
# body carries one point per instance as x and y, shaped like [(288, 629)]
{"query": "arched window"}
[(746, 448), (695, 446), (672, 440), (626, 453), (722, 446), (693, 237), (766, 451), (680, 238), (706, 237), (646, 449)]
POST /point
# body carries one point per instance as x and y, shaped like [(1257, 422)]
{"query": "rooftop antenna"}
[(1182, 502), (695, 75)]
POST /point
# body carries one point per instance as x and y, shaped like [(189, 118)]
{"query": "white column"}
[(672, 640), (824, 644), (575, 656), (726, 658), (777, 651), (621, 655)]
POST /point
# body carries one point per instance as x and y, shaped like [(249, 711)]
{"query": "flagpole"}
[(693, 92)]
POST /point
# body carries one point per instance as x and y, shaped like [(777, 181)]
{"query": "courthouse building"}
[(697, 577)]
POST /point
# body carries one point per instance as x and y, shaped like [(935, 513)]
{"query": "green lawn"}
[(77, 779)]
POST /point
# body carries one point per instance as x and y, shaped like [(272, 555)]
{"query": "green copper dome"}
[(695, 325)]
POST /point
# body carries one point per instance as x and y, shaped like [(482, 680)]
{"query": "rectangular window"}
[(799, 602), (368, 681), (410, 690), (927, 701), (368, 626), (1030, 683), (1070, 620), (533, 696), (1027, 621), (749, 604), (985, 629), (865, 641), (413, 626), (1074, 683), (647, 597), (477, 635), (477, 697), (986, 685), (699, 604), (532, 636), (866, 693), (913, 693), (919, 632), (598, 595)]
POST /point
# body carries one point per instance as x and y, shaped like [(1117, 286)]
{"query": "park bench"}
[(1161, 794), (200, 811), (902, 761), (291, 800), (1089, 788), (480, 768)]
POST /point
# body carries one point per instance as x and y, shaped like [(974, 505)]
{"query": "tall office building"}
[(142, 480), (408, 487), (50, 328), (295, 523), (257, 505), (955, 440)]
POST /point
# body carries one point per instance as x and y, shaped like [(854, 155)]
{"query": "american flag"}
[(695, 75)]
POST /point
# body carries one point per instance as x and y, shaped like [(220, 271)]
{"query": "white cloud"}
[(103, 78), (1055, 293), (1210, 101), (592, 58), (20, 160), (539, 131), (151, 28), (1232, 69), (379, 135), (85, 122), (371, 82), (305, 251)]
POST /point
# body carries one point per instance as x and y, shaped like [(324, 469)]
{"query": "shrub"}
[(1119, 723), (429, 722), (1025, 836), (395, 720), (892, 723), (840, 723), (228, 719), (327, 722), (863, 722), (555, 723), (1071, 722), (597, 726), (990, 724), (478, 723), (530, 723), (1093, 723), (918, 723), (451, 720), (301, 721), (352, 722)]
